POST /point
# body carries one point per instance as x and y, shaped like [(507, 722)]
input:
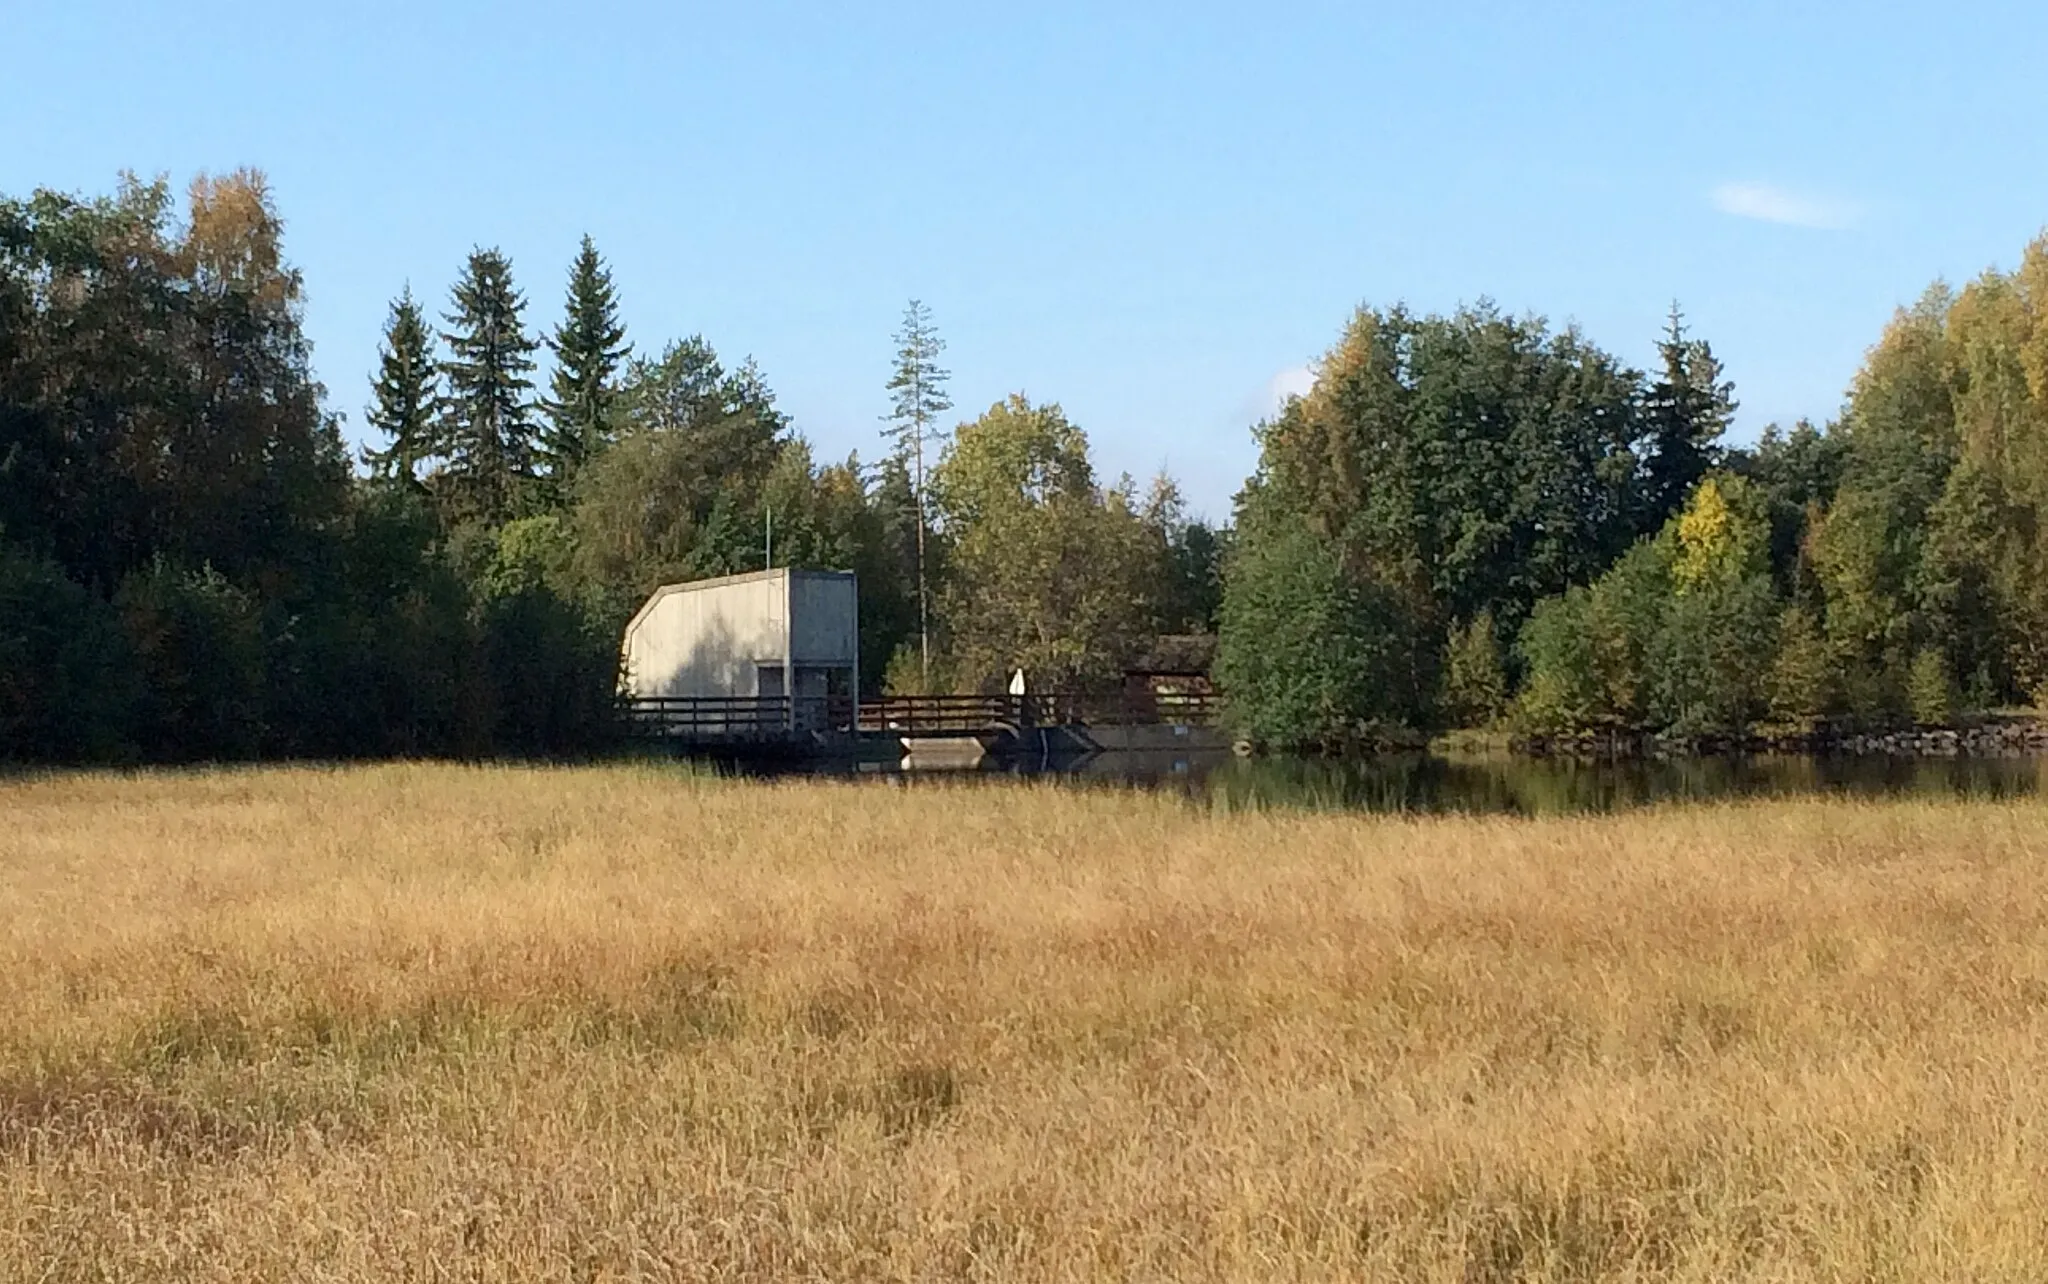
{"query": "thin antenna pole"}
[(767, 538)]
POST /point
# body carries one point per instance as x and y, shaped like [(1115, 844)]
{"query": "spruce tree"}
[(917, 392), (1686, 411), (589, 349), (488, 427), (406, 392)]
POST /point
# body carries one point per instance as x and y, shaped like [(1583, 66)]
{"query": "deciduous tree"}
[(1046, 570)]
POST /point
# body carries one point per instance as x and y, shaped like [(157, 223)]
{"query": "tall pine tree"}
[(488, 427), (407, 395), (1686, 411), (589, 348), (917, 392)]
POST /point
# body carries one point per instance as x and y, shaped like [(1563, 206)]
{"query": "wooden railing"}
[(736, 718), (928, 714), (719, 719), (967, 713), (1127, 709)]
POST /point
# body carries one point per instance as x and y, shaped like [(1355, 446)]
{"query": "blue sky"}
[(1156, 214)]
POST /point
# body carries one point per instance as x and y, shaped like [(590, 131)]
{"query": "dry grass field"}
[(437, 1023)]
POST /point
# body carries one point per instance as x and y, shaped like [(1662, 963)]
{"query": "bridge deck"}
[(717, 720)]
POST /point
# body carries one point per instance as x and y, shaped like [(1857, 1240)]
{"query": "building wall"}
[(824, 619), (707, 639)]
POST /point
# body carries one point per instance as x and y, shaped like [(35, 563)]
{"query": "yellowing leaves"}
[(234, 235), (1706, 538)]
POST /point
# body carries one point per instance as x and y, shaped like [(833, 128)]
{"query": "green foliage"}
[(905, 673), (1628, 611), (406, 405), (400, 651), (1016, 454), (1938, 537), (917, 390), (917, 397), (1802, 686), (886, 562), (1308, 657), (159, 411), (679, 495), (817, 512), (1193, 553), (1475, 675), (1563, 690), (1458, 465), (1045, 570), (1931, 689), (830, 518), (1712, 656), (1868, 549), (702, 463), (488, 430), (1795, 476), (1684, 414), (1450, 484), (68, 685), (158, 414), (552, 664), (1477, 463), (198, 644), (1676, 637), (589, 348), (531, 553), (155, 389), (1965, 595)]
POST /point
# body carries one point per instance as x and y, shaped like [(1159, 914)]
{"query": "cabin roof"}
[(723, 581)]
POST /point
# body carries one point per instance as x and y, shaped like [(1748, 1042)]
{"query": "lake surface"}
[(1423, 783)]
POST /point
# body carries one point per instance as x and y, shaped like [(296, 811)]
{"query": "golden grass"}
[(424, 1022)]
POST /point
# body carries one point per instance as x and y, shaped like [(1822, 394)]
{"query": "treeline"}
[(1469, 520), (1472, 520), (192, 566)]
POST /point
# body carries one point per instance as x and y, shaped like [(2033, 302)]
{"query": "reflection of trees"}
[(1566, 786)]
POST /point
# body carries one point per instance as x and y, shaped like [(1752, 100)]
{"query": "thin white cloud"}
[(1294, 381), (1269, 399), (1772, 204)]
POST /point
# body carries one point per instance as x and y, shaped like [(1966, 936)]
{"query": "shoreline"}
[(1993, 736)]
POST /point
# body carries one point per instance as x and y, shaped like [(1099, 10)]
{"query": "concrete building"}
[(766, 634)]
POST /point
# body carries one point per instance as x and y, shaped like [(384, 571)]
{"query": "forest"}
[(1470, 520), (1474, 521)]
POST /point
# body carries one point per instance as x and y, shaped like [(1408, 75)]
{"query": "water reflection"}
[(1422, 783), (1537, 787)]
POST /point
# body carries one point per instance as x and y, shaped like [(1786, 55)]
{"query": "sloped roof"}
[(722, 581)]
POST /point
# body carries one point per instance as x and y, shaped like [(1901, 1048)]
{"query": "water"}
[(1423, 783)]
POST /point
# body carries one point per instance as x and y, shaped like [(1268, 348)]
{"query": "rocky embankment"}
[(1990, 738), (1998, 739)]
